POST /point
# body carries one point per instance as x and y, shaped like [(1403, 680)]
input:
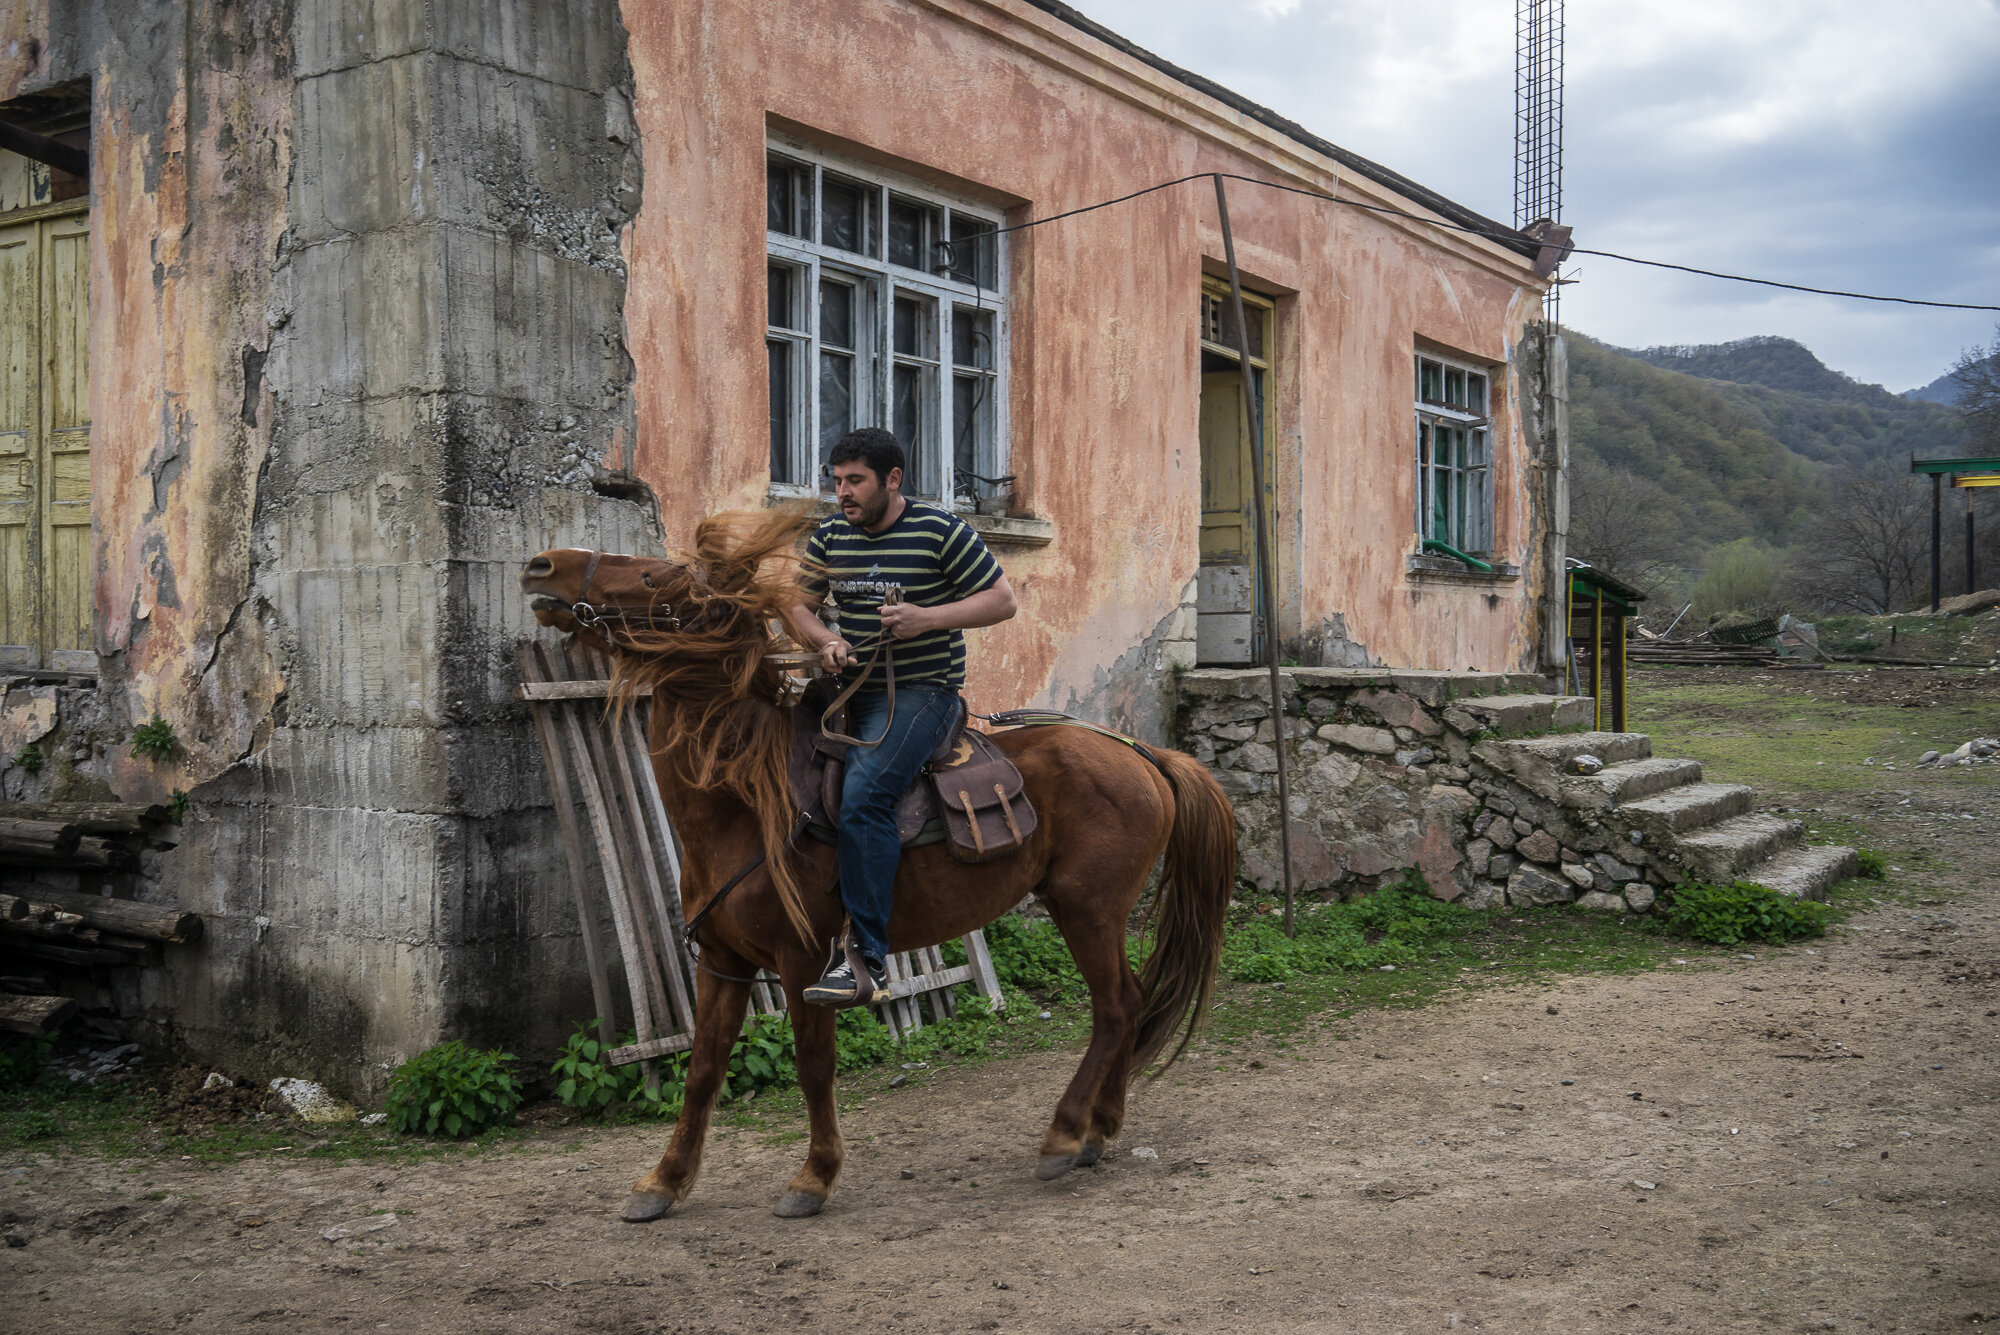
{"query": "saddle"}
[(968, 794)]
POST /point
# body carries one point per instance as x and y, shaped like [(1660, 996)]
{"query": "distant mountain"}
[(1809, 408), (1775, 363), (1945, 389)]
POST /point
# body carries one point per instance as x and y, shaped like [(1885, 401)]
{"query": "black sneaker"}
[(839, 987)]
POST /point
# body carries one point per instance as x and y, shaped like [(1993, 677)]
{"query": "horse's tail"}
[(1195, 881)]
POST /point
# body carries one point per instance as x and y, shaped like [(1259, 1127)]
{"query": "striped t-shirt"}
[(936, 558)]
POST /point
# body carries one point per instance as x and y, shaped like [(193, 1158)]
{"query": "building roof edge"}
[(1499, 232)]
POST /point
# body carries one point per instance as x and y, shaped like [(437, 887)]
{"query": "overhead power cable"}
[(1492, 235)]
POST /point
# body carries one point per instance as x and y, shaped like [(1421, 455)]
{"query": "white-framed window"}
[(1454, 454), (886, 308)]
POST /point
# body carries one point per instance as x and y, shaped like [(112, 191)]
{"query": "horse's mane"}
[(715, 718)]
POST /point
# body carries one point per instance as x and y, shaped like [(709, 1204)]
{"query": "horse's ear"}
[(732, 548)]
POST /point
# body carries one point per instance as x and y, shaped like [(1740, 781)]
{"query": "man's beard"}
[(872, 511)]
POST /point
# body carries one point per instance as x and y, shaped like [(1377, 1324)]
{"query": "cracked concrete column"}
[(449, 386)]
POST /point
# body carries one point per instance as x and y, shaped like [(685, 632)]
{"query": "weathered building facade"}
[(367, 302)]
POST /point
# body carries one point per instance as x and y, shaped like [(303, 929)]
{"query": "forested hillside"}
[(1732, 431), (1754, 456)]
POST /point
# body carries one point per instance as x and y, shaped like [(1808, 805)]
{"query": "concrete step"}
[(1529, 714), (1726, 851), (1612, 748), (1807, 872), (1628, 781), (1680, 810)]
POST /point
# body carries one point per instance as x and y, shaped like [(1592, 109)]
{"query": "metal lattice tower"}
[(1538, 117)]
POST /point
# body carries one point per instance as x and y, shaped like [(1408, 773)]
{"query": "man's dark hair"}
[(873, 446)]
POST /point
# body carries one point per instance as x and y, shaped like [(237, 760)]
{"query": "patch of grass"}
[(1727, 915), (1754, 733)]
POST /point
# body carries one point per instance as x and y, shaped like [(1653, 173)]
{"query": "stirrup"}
[(865, 991)]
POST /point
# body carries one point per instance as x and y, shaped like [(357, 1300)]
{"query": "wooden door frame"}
[(42, 527), (1264, 618)]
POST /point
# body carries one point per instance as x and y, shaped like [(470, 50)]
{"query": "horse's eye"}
[(645, 579)]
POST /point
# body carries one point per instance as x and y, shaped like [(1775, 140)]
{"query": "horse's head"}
[(607, 600)]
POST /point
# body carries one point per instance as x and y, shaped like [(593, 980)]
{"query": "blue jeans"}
[(876, 777)]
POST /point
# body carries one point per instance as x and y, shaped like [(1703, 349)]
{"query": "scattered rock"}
[(1539, 847), (1585, 764), (1613, 869), (1374, 741), (217, 1080), (1927, 757), (1643, 1185), (311, 1102), (908, 1175), (1144, 1152), (1531, 887), (901, 1079), (375, 1119), (360, 1227)]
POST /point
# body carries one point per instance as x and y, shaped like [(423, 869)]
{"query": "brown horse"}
[(697, 631)]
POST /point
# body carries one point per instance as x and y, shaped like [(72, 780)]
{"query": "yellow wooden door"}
[(45, 583), (1226, 537), (20, 515), (66, 583)]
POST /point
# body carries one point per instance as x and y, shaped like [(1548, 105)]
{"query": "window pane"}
[(1475, 393), (1454, 387), (971, 412), (780, 352), (907, 421), (787, 197), (912, 323), (1441, 504), (1219, 323), (975, 251), (836, 314), (972, 337), (1423, 470), (844, 215), (1430, 381), (911, 227), (836, 398), (780, 297)]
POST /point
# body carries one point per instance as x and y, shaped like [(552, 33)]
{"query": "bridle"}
[(597, 620)]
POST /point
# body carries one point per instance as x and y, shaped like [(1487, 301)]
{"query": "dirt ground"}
[(1796, 1140)]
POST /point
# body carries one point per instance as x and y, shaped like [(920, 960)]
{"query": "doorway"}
[(1231, 602)]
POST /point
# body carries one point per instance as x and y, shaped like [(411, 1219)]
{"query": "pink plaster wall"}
[(1010, 105)]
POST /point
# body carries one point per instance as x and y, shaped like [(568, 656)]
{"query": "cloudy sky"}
[(1836, 143)]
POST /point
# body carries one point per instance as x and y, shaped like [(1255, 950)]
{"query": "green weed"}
[(1727, 915), (453, 1090), (154, 740)]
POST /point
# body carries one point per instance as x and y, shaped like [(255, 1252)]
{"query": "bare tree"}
[(1872, 554), (1622, 523), (1978, 377)]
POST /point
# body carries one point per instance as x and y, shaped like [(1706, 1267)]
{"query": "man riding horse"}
[(912, 577)]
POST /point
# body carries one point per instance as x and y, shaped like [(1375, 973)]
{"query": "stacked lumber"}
[(1696, 653), (88, 835)]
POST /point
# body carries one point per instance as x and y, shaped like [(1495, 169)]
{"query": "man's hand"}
[(904, 621), (836, 654)]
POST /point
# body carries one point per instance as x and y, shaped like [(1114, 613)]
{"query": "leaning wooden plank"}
[(984, 976), (19, 835), (619, 850), (33, 1015), (652, 1047), (660, 845), (615, 772), (608, 859), (557, 764), (637, 797), (128, 917)]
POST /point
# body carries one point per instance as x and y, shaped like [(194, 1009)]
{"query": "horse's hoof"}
[(798, 1205), (643, 1207), (1091, 1154), (1054, 1166)]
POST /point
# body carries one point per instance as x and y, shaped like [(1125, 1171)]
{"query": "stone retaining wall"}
[(1392, 770)]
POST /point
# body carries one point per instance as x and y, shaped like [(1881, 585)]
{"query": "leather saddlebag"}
[(986, 813)]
